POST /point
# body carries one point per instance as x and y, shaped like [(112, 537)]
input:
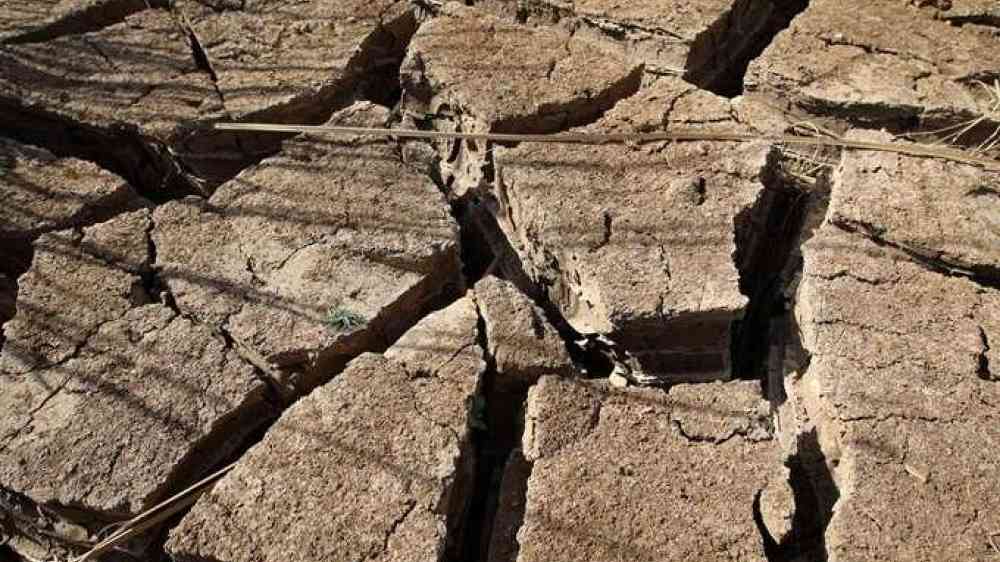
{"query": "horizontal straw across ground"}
[(920, 150)]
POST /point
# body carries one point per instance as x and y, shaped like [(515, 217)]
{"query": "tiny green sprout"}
[(341, 319)]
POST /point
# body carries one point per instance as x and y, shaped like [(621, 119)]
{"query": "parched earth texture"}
[(465, 351)]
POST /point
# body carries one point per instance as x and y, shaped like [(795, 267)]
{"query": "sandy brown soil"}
[(467, 351)]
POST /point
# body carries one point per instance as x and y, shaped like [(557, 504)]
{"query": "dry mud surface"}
[(459, 351)]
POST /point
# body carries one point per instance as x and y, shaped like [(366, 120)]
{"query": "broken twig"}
[(154, 515)]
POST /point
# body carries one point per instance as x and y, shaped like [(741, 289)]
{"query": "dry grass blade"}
[(939, 152), (154, 515), (958, 131)]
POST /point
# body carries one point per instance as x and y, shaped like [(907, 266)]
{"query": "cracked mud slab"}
[(668, 476), (638, 242), (120, 95), (882, 64), (698, 40), (521, 341), (326, 227), (945, 212), (901, 392), (461, 63), (42, 193), (289, 61), (371, 466), (107, 406)]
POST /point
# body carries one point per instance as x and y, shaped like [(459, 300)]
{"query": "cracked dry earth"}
[(457, 351)]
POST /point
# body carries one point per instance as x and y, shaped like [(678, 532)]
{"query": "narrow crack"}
[(983, 369), (575, 113), (101, 53), (620, 30), (411, 505), (31, 415), (73, 354), (746, 432), (984, 275), (152, 283), (200, 56), (497, 426)]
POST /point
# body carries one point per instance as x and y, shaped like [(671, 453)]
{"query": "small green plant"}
[(343, 319)]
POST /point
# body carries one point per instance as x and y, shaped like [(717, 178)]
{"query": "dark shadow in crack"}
[(815, 494), (721, 54)]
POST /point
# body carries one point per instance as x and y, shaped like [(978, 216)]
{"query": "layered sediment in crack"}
[(90, 361)]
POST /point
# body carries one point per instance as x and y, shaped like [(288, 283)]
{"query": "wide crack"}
[(144, 163), (811, 476), (497, 422), (766, 235), (721, 54)]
